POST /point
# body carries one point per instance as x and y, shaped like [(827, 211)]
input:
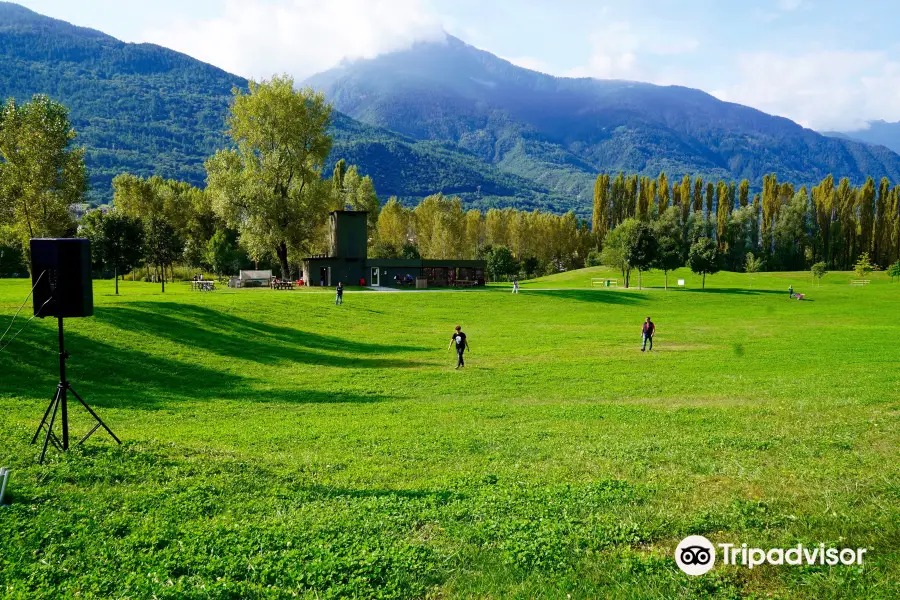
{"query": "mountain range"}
[(439, 116), (880, 133)]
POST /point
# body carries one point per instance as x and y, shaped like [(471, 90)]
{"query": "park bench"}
[(281, 285), (859, 282), (464, 283), (4, 477), (203, 286), (604, 282)]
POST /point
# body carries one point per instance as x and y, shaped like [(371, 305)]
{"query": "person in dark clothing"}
[(340, 293), (791, 291), (647, 334), (462, 344)]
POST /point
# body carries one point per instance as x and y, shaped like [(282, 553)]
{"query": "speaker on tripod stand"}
[(61, 277)]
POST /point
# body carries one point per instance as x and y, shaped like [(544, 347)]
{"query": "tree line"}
[(265, 203), (514, 242), (783, 228), (267, 198)]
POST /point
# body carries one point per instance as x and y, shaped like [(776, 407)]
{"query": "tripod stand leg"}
[(93, 414), (50, 428), (46, 414)]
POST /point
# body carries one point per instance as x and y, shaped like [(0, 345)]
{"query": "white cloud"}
[(299, 37), (618, 51), (831, 90)]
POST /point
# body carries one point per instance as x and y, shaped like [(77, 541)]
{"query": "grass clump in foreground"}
[(279, 446)]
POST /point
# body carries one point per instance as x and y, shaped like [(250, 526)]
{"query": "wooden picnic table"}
[(203, 286)]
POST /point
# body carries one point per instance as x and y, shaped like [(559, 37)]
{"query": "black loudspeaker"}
[(61, 276)]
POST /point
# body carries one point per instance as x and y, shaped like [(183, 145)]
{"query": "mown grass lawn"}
[(278, 446)]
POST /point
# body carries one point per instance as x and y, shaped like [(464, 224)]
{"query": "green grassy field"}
[(278, 446)]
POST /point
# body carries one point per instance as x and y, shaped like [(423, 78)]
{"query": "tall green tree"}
[(670, 251), (122, 246), (879, 243), (600, 217), (825, 217), (221, 253), (501, 263), (722, 213), (662, 187), (269, 187), (685, 197), (865, 200), (42, 175), (769, 210), (643, 249), (818, 271), (744, 193), (845, 228), (698, 194), (393, 224), (703, 258), (617, 248), (790, 234), (162, 246)]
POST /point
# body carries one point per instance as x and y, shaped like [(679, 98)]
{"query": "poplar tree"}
[(698, 194), (685, 197), (618, 197), (823, 200), (722, 214), (865, 201), (664, 192), (744, 194), (894, 253), (879, 243), (600, 220), (769, 210)]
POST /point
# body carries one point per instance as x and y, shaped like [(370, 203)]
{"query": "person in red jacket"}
[(647, 334)]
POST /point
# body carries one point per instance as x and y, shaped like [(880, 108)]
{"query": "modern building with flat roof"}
[(347, 261)]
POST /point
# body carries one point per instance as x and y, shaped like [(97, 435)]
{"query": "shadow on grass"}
[(596, 296), (123, 377), (741, 292), (235, 337)]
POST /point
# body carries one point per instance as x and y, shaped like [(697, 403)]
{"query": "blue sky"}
[(824, 63)]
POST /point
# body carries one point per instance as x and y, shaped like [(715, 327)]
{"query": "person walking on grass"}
[(515, 285), (791, 291), (462, 344), (339, 299), (647, 334)]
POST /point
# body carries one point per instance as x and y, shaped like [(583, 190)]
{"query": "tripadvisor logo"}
[(696, 555)]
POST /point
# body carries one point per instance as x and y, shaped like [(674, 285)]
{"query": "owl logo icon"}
[(695, 555)]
